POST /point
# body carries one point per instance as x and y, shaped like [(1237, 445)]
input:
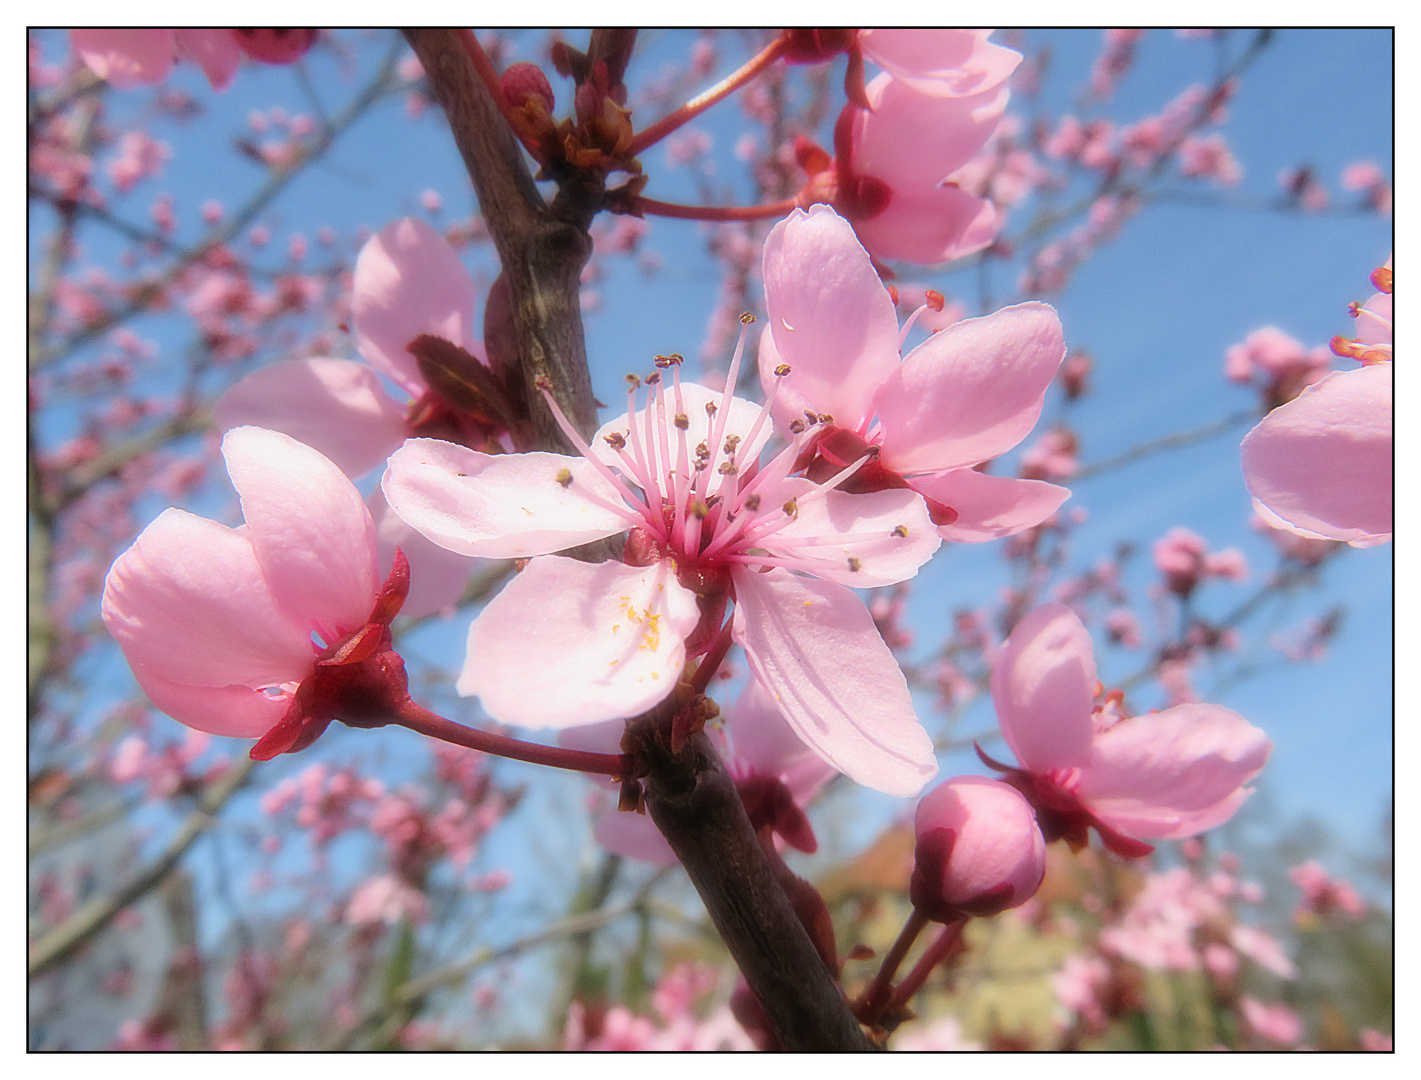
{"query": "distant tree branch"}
[(93, 917)]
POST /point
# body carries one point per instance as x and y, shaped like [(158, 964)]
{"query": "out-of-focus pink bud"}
[(284, 45), (979, 850)]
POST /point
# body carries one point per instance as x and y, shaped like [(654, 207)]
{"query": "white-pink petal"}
[(814, 646), (765, 742), (409, 281), (215, 50), (1322, 462), (125, 57), (989, 507), (1174, 773), (634, 836), (936, 60), (971, 391), (913, 140), (336, 407), (437, 576), (188, 602), (309, 526), (569, 642), (235, 711), (829, 318), (499, 506), (1043, 685), (862, 541), (930, 225)]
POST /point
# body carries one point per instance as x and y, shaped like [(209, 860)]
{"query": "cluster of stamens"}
[(702, 504)]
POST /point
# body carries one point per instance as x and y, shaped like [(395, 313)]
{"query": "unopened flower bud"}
[(979, 850), (284, 45), (523, 81)]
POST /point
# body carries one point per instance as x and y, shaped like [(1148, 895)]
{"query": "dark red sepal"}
[(359, 680), (393, 592), (814, 45)]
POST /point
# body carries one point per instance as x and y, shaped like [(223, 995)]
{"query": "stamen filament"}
[(586, 451), (820, 491), (908, 325)]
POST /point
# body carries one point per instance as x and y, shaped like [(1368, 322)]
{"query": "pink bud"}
[(523, 81), (284, 45), (979, 850)]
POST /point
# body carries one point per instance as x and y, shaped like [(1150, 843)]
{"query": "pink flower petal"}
[(309, 526), (498, 506), (830, 319), (1043, 684), (188, 602), (814, 646), (336, 407), (570, 643), (930, 225), (409, 281), (1322, 462), (971, 391), (857, 540), (989, 507), (1174, 773), (236, 711), (125, 57), (765, 741), (634, 836), (437, 576), (215, 50), (914, 141), (938, 60)]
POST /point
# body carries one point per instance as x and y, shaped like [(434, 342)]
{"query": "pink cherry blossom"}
[(1323, 894), (220, 625), (709, 522), (1285, 365), (386, 899), (938, 60), (940, 1035), (978, 851), (1163, 775), (1183, 557), (1274, 1024), (127, 57), (408, 281), (1321, 464), (894, 167), (1263, 949), (967, 394)]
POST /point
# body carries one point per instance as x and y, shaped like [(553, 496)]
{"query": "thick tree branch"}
[(693, 801), (542, 248)]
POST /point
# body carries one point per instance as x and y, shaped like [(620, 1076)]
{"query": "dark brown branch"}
[(693, 801), (542, 248)]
